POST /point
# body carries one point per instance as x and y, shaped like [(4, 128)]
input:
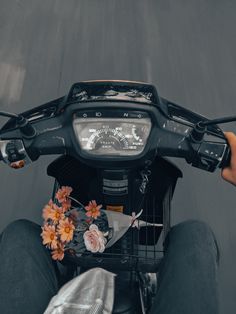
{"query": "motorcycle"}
[(114, 137)]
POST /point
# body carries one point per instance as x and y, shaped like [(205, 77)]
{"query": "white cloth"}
[(89, 293)]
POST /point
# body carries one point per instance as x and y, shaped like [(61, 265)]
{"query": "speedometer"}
[(112, 136), (107, 138)]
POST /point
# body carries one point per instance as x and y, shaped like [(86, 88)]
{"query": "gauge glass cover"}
[(112, 136)]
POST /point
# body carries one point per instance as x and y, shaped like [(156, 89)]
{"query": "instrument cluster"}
[(125, 135)]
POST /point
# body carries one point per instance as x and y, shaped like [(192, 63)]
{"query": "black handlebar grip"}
[(226, 158)]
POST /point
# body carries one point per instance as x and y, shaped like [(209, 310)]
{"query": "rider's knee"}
[(21, 230), (194, 229), (194, 235)]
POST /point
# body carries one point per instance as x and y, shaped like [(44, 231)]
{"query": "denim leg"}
[(188, 274), (28, 278)]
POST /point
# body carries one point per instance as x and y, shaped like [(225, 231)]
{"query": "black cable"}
[(27, 130), (218, 121), (9, 115), (200, 128)]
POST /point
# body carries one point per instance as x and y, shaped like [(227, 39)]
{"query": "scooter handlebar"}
[(56, 138)]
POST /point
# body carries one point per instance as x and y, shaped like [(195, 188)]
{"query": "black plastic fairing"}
[(169, 136), (188, 117), (113, 91), (47, 110)]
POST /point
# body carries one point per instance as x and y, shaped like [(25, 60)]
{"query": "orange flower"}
[(63, 193), (56, 214), (66, 205), (93, 210), (49, 236), (66, 230), (47, 210), (58, 253)]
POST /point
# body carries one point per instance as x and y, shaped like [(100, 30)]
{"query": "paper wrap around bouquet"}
[(83, 228), (119, 223)]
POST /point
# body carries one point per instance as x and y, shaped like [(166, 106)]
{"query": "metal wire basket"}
[(139, 249)]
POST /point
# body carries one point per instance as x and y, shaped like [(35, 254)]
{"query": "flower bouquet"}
[(83, 228)]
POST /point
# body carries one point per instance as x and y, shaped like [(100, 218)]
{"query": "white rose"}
[(94, 239)]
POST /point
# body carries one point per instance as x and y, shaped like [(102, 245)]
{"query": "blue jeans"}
[(187, 278)]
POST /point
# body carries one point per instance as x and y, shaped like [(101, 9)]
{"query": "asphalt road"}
[(186, 48)]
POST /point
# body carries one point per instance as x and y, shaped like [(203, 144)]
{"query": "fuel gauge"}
[(139, 132)]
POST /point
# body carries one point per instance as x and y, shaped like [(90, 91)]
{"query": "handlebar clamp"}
[(209, 156)]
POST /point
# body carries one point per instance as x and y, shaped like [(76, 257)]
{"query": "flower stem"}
[(73, 199)]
